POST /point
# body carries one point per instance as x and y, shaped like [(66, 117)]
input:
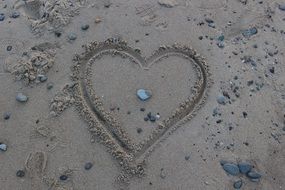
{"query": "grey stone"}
[(221, 99), (15, 14), (249, 32), (85, 27), (7, 115), (21, 97), (72, 36), (231, 169), (253, 175), (88, 166), (144, 94), (42, 78), (244, 167), (282, 7), (2, 17), (50, 85), (168, 3), (3, 147), (238, 184)]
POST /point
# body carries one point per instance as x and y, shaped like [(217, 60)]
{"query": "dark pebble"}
[(72, 36), (187, 157), (63, 177), (142, 109), (238, 184), (50, 85), (7, 115), (57, 34), (139, 130), (85, 27), (231, 169), (152, 118), (88, 166), (244, 167), (2, 17), (20, 173), (9, 48), (15, 14), (145, 119)]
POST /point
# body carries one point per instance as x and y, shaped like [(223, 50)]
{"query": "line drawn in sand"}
[(102, 125)]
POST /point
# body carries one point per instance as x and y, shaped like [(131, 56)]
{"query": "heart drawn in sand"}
[(110, 73)]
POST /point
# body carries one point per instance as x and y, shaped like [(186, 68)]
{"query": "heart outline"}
[(132, 156)]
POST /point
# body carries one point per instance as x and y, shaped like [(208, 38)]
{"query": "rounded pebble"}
[(139, 130), (231, 169), (253, 175), (3, 147), (72, 36), (238, 184), (7, 115), (249, 32), (50, 85), (21, 97), (63, 177), (9, 48), (88, 166), (144, 94), (221, 99), (2, 17), (15, 14), (244, 167), (85, 27), (20, 173), (42, 78)]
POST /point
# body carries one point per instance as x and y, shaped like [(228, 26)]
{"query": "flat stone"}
[(238, 184), (21, 97), (253, 175), (244, 167), (3, 147), (168, 3), (144, 94), (231, 169), (249, 32)]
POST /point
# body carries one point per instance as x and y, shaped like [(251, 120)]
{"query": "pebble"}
[(238, 184), (98, 20), (253, 175), (9, 48), (139, 130), (15, 14), (63, 177), (88, 166), (168, 3), (72, 36), (85, 27), (3, 147), (50, 85), (142, 109), (7, 115), (21, 97), (20, 173), (2, 17), (221, 99), (144, 94), (152, 118), (231, 169), (244, 167), (282, 7), (249, 32), (42, 78)]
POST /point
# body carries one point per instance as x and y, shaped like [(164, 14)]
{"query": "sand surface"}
[(218, 94)]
